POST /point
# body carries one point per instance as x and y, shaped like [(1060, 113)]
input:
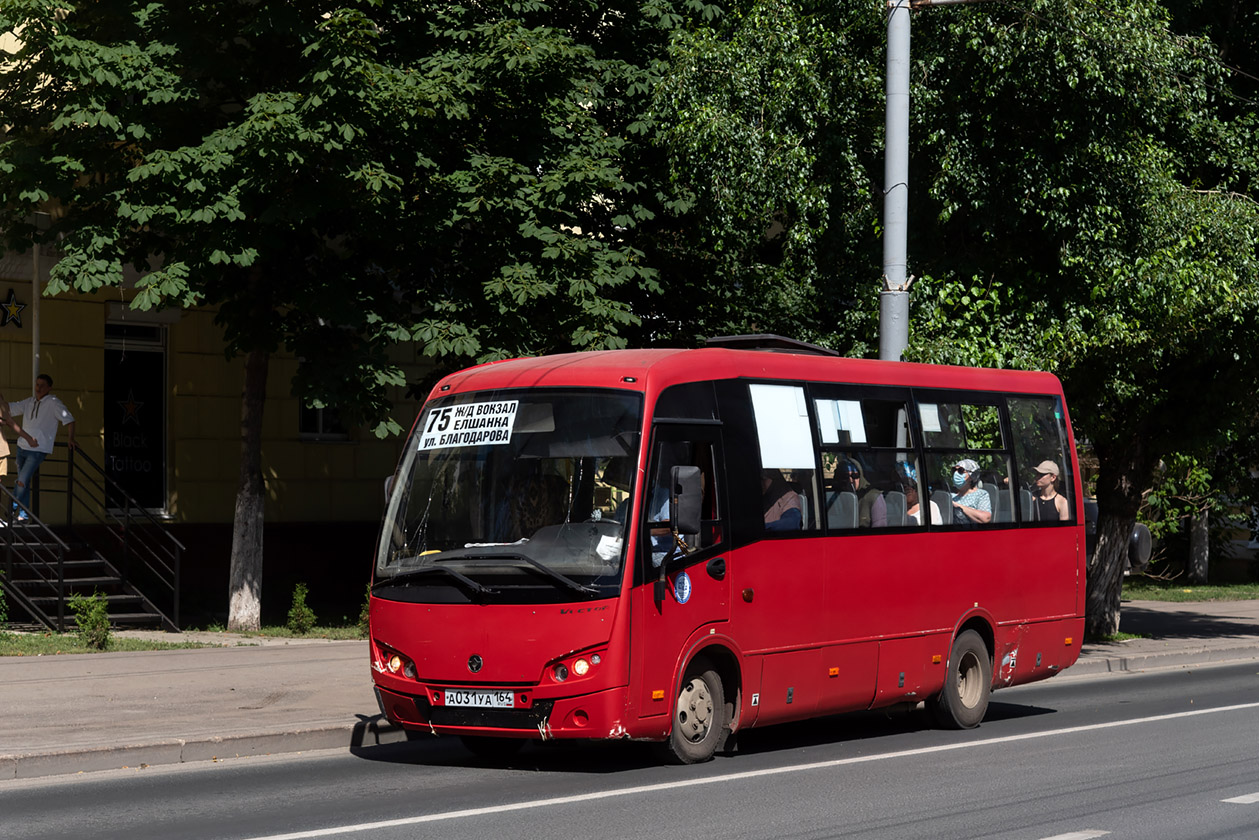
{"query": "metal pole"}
[(177, 585), (894, 297), (69, 487), (61, 589)]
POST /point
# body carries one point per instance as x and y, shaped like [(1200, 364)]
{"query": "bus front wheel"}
[(699, 715), (963, 701)]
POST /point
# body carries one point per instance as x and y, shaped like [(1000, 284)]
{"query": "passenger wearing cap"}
[(1050, 504), (970, 504)]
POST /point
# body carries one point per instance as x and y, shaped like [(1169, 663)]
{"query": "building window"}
[(321, 424)]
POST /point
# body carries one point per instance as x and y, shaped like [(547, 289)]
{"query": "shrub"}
[(4, 607), (364, 623), (91, 614), (301, 617)]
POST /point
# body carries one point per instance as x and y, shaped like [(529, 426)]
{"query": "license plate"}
[(484, 699)]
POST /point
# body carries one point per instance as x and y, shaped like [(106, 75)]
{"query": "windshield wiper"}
[(546, 570), (403, 577)]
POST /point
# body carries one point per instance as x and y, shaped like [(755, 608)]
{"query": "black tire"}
[(493, 749), (963, 702), (699, 716)]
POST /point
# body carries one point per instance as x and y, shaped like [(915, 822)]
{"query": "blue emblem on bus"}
[(682, 588)]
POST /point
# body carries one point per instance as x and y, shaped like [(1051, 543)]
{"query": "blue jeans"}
[(28, 461)]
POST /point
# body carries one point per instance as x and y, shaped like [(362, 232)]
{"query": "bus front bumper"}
[(597, 715)]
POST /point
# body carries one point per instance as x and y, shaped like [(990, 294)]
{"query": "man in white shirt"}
[(43, 413)]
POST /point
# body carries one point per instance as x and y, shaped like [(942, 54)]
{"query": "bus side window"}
[(865, 438), (788, 488), (1040, 437)]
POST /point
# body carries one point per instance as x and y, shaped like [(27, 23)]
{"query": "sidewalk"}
[(1174, 636), (70, 714)]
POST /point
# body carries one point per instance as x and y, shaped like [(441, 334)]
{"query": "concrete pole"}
[(894, 297), (41, 222), (35, 294)]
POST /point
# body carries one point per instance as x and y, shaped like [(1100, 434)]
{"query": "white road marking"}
[(738, 777), (1078, 835), (1248, 799)]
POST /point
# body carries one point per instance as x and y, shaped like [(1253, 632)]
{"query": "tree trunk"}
[(245, 582), (1123, 470), (1199, 546), (1105, 572)]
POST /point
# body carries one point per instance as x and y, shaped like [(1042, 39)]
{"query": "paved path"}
[(66, 714)]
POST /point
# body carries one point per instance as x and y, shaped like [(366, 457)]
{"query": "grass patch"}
[(1117, 637), (316, 632), (1147, 589), (50, 644), (280, 631)]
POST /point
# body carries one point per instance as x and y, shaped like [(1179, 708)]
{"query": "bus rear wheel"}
[(699, 715), (963, 701)]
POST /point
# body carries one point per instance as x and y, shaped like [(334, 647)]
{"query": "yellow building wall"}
[(306, 481)]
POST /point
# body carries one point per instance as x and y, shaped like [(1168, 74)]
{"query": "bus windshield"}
[(514, 495)]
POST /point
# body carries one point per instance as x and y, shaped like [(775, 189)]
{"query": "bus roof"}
[(656, 369)]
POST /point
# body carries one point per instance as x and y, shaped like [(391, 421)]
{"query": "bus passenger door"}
[(696, 588)]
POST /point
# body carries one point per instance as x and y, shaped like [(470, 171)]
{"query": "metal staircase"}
[(116, 548)]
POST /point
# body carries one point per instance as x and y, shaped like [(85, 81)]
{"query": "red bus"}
[(678, 545)]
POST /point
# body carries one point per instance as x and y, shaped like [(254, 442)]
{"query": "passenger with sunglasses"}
[(971, 505)]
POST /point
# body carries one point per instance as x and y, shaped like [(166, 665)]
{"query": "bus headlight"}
[(560, 672), (581, 667), (389, 661)]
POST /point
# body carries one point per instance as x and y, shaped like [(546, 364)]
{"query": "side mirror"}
[(685, 498), (1139, 547)]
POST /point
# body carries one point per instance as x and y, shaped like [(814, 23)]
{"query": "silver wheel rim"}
[(694, 714), (969, 679)]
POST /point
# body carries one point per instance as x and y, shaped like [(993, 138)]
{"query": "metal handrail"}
[(162, 559), (33, 554), (134, 532)]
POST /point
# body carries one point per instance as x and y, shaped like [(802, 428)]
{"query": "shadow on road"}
[(610, 757)]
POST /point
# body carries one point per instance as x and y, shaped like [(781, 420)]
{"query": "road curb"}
[(1148, 661), (367, 732)]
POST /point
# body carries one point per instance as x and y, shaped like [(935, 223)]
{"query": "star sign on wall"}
[(130, 408), (11, 310)]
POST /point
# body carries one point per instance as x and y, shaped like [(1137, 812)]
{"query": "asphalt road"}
[(1152, 755)]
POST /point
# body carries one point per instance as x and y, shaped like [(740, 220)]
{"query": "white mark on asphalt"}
[(1248, 799), (738, 777), (1078, 835)]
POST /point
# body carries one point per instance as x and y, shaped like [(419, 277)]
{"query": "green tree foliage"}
[(1067, 147), (1080, 202), (771, 115), (517, 177), (338, 177)]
